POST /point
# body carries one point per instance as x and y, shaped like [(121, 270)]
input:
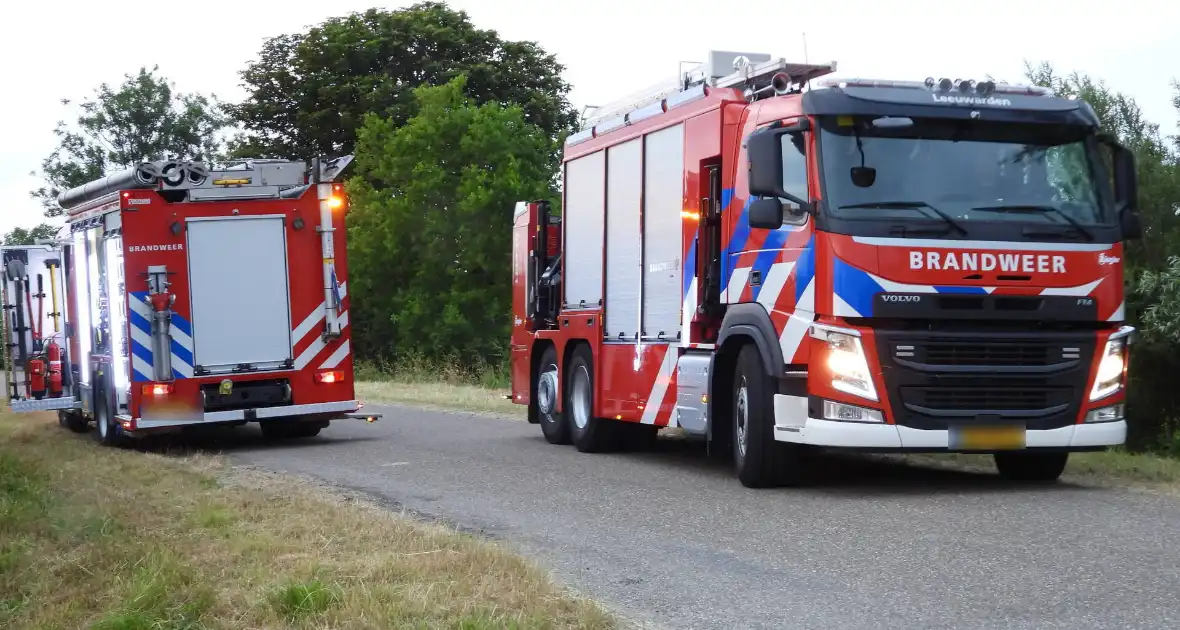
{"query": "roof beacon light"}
[(964, 86)]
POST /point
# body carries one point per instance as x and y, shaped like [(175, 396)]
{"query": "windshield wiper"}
[(1017, 207), (908, 204)]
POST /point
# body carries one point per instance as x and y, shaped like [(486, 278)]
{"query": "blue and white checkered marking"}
[(142, 361)]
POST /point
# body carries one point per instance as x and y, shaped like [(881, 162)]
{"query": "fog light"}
[(850, 413), (1113, 413)]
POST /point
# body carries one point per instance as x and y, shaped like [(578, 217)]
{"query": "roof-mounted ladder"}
[(756, 72)]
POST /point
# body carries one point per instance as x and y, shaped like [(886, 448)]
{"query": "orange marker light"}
[(157, 389), (329, 376)]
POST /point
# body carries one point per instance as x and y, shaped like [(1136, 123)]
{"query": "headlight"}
[(846, 361), (1112, 366)]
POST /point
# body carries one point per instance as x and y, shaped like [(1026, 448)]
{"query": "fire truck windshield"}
[(961, 172)]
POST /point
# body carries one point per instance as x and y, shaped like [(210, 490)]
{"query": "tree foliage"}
[(25, 236), (309, 93), (431, 225), (142, 118)]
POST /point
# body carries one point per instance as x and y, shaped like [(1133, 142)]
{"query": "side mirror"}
[(764, 155), (1132, 227), (766, 213), (1126, 187)]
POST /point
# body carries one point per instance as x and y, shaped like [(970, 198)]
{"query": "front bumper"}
[(181, 417), (892, 437)]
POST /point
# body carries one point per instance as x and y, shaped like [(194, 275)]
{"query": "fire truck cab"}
[(868, 265), (181, 295)]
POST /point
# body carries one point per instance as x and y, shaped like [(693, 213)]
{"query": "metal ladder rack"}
[(756, 72)]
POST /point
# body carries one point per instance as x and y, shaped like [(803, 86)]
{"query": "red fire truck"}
[(860, 264), (178, 295)]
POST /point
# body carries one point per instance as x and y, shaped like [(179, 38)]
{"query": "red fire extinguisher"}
[(53, 353), (37, 377)]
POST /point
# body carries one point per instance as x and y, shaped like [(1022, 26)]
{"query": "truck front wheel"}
[(760, 460), (1031, 467)]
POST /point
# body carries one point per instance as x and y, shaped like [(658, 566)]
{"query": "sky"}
[(58, 49)]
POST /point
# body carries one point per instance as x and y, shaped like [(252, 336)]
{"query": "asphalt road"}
[(672, 539)]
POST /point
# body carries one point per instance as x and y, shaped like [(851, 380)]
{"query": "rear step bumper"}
[(343, 409)]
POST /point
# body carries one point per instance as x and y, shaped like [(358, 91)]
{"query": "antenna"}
[(805, 59)]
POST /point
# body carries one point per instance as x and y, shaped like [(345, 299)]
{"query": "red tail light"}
[(329, 376), (157, 389)]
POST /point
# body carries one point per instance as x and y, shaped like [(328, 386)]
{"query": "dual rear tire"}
[(576, 424)]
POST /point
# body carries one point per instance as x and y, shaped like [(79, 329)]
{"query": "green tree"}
[(142, 118), (24, 236), (309, 92), (431, 226)]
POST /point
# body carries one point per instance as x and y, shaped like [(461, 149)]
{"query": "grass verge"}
[(113, 539), (1111, 466)]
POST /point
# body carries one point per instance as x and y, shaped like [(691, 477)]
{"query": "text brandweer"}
[(1028, 263), (156, 248)]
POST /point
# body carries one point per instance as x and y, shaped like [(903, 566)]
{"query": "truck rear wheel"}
[(589, 434), (546, 392), (107, 431), (760, 461), (1031, 467), (73, 420)]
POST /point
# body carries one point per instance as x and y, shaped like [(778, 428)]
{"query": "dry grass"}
[(114, 539), (439, 394)]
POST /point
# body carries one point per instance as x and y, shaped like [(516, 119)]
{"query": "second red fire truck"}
[(866, 265), (180, 295)]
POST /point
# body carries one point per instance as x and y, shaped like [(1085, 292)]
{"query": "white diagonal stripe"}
[(737, 283), (316, 346), (1085, 289), (772, 285), (139, 308), (141, 366), (142, 338), (183, 340), (315, 317), (1119, 314), (797, 324), (842, 308), (337, 357), (143, 309), (655, 398)]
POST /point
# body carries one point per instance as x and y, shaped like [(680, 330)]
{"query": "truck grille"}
[(943, 353), (934, 379), (998, 398)]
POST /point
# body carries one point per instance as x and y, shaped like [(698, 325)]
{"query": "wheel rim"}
[(741, 417), (547, 392), (581, 397)]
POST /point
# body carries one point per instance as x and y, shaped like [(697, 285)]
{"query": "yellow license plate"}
[(987, 438)]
